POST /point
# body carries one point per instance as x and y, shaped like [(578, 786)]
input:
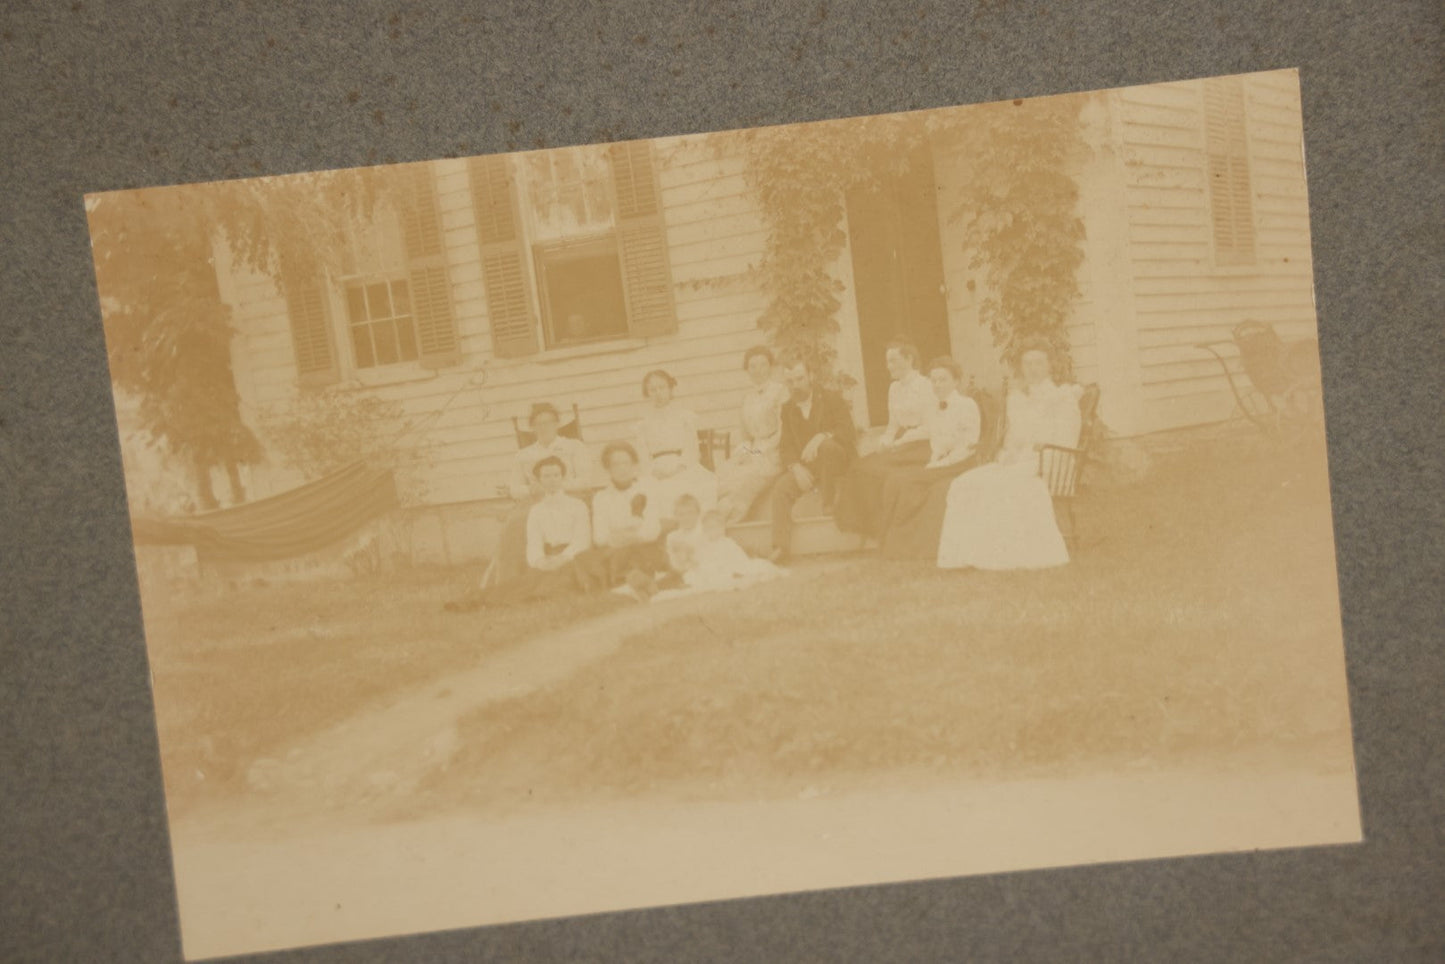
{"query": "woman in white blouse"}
[(667, 447), (753, 465), (558, 531), (1000, 515), (544, 421), (914, 496)]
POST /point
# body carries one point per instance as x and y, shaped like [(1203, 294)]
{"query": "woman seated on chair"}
[(558, 532), (904, 444), (914, 496), (667, 447), (753, 465), (1000, 515), (511, 555)]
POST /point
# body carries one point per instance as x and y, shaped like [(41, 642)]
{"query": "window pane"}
[(406, 335), (568, 191), (384, 333), (400, 298), (378, 300), (355, 304), (361, 344), (584, 297)]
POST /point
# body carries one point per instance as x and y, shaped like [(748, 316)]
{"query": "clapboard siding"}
[(464, 414), (1181, 297), (1151, 290)]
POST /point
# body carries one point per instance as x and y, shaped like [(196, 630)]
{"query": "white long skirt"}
[(1000, 517)]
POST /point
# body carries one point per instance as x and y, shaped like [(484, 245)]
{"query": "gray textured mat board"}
[(104, 96)]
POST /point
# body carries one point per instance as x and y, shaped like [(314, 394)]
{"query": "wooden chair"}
[(991, 421), (572, 429), (1062, 467), (710, 441)]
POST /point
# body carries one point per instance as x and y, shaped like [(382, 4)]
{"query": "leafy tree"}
[(168, 333)]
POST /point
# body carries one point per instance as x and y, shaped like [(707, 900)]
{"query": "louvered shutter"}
[(509, 296), (310, 330), (431, 296), (1227, 166), (642, 241)]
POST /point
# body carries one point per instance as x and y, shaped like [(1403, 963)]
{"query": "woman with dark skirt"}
[(558, 532), (904, 445), (510, 556), (914, 498), (627, 530)]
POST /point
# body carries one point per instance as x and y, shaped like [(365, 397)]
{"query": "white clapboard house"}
[(565, 275)]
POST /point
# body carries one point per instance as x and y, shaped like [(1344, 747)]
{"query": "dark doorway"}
[(897, 272)]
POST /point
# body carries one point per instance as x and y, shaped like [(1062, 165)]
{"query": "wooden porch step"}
[(813, 532)]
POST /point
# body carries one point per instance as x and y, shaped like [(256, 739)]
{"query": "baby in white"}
[(720, 563)]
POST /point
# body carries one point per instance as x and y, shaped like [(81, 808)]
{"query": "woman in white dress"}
[(667, 448), (753, 465), (1000, 515)]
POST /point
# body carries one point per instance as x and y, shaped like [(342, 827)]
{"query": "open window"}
[(573, 247)]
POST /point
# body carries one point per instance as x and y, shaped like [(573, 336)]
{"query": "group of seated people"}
[(657, 523)]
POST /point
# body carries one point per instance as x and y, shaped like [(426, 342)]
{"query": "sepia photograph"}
[(735, 513)]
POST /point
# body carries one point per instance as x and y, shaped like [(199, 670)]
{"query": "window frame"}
[(570, 249), (364, 282)]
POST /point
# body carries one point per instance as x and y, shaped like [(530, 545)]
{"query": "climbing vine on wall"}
[(1017, 213)]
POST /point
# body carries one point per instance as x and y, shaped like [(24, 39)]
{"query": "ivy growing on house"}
[(1017, 212)]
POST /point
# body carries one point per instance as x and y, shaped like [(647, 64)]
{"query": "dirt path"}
[(382, 753)]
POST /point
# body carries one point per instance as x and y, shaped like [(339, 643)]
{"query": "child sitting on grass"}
[(720, 563), (682, 542)]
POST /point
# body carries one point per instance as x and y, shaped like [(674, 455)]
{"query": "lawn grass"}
[(242, 673), (1198, 624)]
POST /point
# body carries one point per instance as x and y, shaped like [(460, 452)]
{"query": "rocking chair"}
[(1278, 377)]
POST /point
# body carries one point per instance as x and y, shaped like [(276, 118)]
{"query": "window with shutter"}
[(310, 330), (430, 288), (642, 241), (1227, 170), (508, 289), (590, 219)]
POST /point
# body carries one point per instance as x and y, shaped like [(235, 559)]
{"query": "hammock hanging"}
[(296, 522)]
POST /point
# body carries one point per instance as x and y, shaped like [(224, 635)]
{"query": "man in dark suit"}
[(818, 444)]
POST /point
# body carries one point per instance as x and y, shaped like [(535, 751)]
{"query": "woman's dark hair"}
[(540, 464), (948, 365), (1036, 343), (612, 448), (757, 351), (905, 348), (657, 373), (542, 408)]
